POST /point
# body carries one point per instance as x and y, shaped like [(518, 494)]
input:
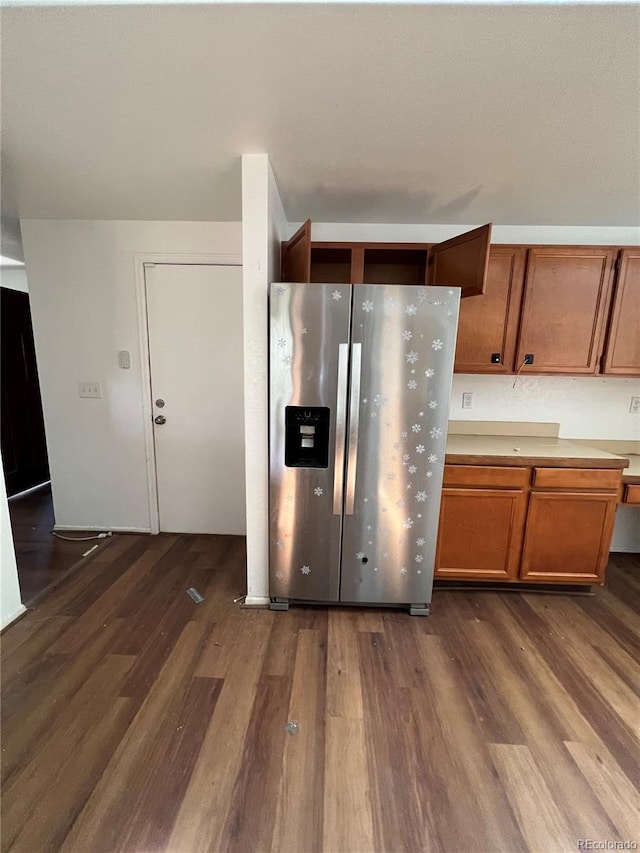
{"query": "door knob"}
[(159, 419)]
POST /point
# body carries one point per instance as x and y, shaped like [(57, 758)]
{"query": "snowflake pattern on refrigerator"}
[(421, 359)]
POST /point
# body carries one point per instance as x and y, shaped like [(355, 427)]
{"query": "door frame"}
[(143, 259)]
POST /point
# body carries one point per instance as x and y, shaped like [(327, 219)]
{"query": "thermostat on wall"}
[(123, 359)]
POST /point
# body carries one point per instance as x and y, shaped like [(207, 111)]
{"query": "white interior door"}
[(196, 362)]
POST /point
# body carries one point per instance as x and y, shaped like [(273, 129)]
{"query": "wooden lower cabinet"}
[(568, 536), (481, 533), (527, 525)]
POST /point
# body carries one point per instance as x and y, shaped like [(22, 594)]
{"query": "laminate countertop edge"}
[(546, 461), (529, 451)]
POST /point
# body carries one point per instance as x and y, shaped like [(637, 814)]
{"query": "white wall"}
[(14, 279), (83, 301), (584, 406), (546, 234), (11, 605), (264, 225)]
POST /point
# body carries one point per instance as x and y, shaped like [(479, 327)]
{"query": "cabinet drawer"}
[(577, 478), (632, 494), (473, 476)]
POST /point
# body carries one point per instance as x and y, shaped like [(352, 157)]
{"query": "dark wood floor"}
[(136, 720), (43, 560)]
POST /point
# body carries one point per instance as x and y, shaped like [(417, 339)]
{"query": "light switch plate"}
[(89, 389)]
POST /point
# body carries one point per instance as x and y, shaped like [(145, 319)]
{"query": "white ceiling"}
[(370, 113)]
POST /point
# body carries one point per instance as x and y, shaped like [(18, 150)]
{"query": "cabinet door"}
[(480, 534), (622, 354), (461, 261), (488, 327), (568, 537), (295, 262), (566, 295)]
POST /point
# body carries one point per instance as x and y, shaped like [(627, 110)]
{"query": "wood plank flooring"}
[(136, 720), (43, 560)]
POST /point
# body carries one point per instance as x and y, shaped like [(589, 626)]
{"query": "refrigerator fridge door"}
[(309, 360), (403, 341)]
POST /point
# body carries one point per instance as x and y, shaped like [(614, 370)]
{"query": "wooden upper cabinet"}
[(566, 298), (295, 258), (488, 326), (462, 261), (459, 262), (622, 354)]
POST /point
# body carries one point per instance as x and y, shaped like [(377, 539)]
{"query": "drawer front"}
[(577, 478), (632, 494), (479, 476)]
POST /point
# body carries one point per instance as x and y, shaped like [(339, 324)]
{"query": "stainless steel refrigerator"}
[(360, 382)]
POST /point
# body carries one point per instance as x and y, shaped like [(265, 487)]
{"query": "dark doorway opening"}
[(24, 447)]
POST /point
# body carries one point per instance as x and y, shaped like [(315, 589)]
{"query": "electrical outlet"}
[(528, 359), (89, 389), (634, 408), (467, 400)]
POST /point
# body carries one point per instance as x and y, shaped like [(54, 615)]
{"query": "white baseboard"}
[(92, 527), (12, 617), (622, 549), (256, 601)]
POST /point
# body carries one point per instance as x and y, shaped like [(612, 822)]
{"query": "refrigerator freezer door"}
[(408, 337), (309, 354)]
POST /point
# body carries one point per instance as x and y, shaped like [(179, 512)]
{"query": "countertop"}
[(530, 450), (632, 473)]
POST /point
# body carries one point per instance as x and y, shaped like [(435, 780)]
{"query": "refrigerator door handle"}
[(354, 418), (341, 427)]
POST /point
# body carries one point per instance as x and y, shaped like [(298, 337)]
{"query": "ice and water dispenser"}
[(307, 437)]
